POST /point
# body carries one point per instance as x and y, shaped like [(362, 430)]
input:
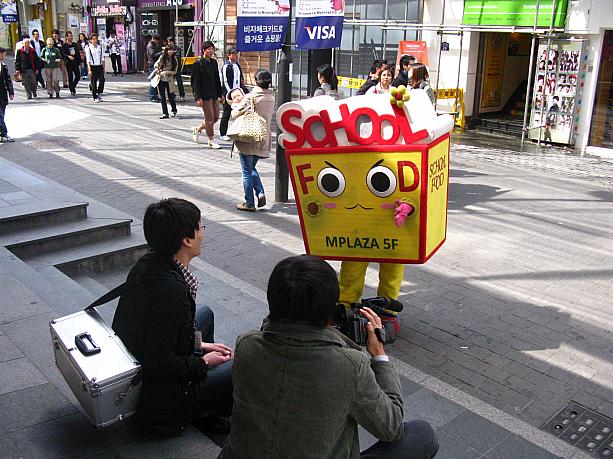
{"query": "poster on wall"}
[(36, 24), (121, 38), (417, 49), (261, 24), (493, 72), (5, 35), (9, 11), (101, 24), (555, 91), (319, 23)]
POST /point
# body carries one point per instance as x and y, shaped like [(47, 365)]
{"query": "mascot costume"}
[(370, 176)]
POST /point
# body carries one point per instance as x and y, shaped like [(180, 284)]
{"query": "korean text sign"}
[(261, 24)]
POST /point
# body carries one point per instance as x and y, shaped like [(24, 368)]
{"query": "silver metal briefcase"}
[(98, 368)]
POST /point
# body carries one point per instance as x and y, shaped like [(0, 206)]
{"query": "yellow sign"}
[(347, 200), (351, 83), (493, 73)]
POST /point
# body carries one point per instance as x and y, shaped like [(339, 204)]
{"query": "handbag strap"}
[(109, 296)]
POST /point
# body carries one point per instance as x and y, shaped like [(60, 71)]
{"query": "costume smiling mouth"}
[(365, 208)]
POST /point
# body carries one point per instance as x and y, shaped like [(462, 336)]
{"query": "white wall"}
[(590, 19), (450, 59)]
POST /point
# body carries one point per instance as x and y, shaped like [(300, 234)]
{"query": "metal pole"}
[(530, 72), (438, 66), (457, 85), (284, 95)]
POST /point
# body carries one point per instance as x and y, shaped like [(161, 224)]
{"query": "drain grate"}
[(583, 428), (60, 143)]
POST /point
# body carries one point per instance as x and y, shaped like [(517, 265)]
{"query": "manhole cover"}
[(54, 144), (583, 428)]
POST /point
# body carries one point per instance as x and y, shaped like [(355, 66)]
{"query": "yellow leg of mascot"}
[(352, 280)]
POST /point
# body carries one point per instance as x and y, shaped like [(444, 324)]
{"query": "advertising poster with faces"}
[(555, 89)]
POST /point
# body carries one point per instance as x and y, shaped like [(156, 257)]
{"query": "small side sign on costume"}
[(357, 164)]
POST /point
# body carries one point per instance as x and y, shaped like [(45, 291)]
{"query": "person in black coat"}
[(38, 46), (206, 87), (6, 94), (27, 66), (403, 74), (185, 374), (231, 77), (373, 77)]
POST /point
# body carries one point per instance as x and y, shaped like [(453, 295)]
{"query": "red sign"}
[(418, 49)]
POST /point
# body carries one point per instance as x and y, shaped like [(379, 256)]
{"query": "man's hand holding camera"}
[(373, 345), (216, 354)]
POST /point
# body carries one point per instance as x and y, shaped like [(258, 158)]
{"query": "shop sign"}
[(319, 24), (519, 13), (9, 11), (164, 4), (109, 10), (261, 24)]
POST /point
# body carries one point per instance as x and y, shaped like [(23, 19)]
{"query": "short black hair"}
[(303, 289), (167, 223), (327, 71), (263, 78), (35, 30), (208, 44), (55, 31), (92, 35), (405, 60), (156, 36)]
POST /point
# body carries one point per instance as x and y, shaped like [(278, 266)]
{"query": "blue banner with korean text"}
[(261, 24), (319, 23)]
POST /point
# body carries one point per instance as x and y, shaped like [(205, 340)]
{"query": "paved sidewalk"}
[(504, 326)]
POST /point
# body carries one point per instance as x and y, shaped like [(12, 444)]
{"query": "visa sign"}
[(319, 32)]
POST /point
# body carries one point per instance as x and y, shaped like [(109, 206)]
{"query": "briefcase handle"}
[(80, 339)]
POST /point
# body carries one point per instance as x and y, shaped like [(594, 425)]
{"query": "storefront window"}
[(601, 134)]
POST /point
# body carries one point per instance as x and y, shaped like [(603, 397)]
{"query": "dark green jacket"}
[(49, 56), (301, 391)]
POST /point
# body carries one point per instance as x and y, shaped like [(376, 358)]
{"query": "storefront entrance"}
[(601, 133)]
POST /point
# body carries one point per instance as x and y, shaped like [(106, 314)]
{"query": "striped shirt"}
[(191, 280)]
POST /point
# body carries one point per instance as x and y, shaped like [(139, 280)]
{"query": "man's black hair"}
[(405, 61), (303, 289), (55, 31), (34, 30), (207, 44), (167, 223)]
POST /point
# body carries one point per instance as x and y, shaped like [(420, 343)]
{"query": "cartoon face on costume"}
[(352, 186)]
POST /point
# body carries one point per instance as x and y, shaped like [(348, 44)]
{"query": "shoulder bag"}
[(249, 128)]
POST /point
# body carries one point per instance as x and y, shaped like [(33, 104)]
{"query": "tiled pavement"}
[(514, 311)]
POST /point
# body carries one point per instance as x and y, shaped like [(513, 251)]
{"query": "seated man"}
[(185, 374), (301, 388)]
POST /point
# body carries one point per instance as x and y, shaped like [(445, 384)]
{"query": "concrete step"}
[(30, 242), (96, 257), (39, 213)]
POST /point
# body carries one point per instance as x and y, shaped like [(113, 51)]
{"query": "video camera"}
[(353, 325)]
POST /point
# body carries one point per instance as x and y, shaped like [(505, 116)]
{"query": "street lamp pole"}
[(284, 94)]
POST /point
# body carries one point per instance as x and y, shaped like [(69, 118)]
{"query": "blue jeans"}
[(418, 442), (213, 395), (153, 92), (180, 86), (251, 178), (3, 131)]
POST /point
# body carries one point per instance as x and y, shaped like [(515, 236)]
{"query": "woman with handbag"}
[(260, 101), (166, 69)]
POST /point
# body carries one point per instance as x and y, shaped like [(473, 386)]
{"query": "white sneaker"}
[(213, 145), (97, 101), (195, 134), (225, 137)]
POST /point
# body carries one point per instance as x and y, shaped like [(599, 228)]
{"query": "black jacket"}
[(65, 50), (155, 320), (401, 79), (205, 81), (369, 83), (29, 60), (6, 85)]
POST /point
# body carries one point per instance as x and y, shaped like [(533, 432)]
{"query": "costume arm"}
[(377, 405)]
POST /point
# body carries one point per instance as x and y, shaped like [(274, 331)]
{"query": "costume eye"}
[(331, 182), (381, 181)]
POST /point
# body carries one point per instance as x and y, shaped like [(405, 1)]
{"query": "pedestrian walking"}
[(113, 47), (52, 57), (206, 87), (231, 77), (402, 79), (71, 53), (6, 94), (95, 67), (373, 77), (38, 46), (250, 153), (166, 69), (27, 65), (385, 80), (418, 79), (154, 49), (328, 82), (178, 77), (55, 33), (83, 43)]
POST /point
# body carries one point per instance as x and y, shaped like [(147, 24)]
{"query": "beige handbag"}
[(249, 128)]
